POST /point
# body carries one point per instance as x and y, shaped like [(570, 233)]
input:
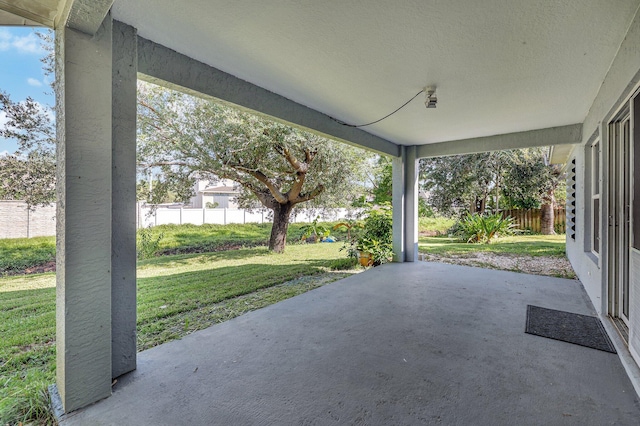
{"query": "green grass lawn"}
[(17, 254), (177, 295), (438, 225), (522, 245)]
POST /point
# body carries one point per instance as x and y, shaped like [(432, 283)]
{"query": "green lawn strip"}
[(197, 290), (181, 324), (210, 237), (17, 254), (516, 245), (435, 225)]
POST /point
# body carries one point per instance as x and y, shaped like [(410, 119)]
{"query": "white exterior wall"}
[(585, 264), (619, 84)]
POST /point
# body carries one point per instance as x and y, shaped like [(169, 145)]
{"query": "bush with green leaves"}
[(377, 235), (147, 243), (314, 232), (476, 228)]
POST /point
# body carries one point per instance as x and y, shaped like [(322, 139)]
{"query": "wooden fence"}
[(530, 219)]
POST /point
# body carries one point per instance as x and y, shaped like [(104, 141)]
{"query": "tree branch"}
[(279, 196), (163, 163), (309, 196)]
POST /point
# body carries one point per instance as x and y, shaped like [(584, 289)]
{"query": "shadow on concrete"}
[(402, 344)]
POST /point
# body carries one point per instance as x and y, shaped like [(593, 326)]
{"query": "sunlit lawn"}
[(177, 295), (523, 245)]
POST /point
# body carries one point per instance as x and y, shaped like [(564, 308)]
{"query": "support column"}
[(123, 210), (397, 200), (83, 279), (411, 205)]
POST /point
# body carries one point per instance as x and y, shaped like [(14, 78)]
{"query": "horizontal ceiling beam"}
[(161, 65), (38, 12), (84, 15), (571, 134)]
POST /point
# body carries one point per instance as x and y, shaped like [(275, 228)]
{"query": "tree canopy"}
[(183, 138), (461, 181), (29, 173), (520, 178)]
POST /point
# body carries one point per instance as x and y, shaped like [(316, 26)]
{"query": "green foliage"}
[(460, 182), (148, 243), (29, 173), (520, 178), (529, 180), (476, 228), (18, 254), (177, 295), (424, 209), (314, 231), (376, 237), (521, 245), (382, 181), (181, 137), (211, 205), (28, 177), (436, 225)]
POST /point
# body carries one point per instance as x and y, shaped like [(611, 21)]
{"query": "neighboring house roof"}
[(220, 190)]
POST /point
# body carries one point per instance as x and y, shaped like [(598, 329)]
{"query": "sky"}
[(21, 72)]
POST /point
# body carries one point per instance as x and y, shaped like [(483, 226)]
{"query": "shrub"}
[(148, 244), (314, 232), (376, 237), (475, 228)]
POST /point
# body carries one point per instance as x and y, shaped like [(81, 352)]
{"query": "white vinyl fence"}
[(16, 221), (177, 215)]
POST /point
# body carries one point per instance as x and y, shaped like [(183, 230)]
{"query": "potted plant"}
[(365, 248), (314, 232), (374, 246)]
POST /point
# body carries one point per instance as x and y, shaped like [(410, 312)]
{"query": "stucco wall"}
[(585, 264), (620, 82)]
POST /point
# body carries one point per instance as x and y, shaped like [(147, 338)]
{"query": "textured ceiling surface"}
[(500, 66)]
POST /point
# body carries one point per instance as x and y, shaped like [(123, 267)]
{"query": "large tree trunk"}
[(546, 213), (547, 219), (278, 238)]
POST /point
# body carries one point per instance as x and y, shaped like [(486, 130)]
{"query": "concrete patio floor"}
[(402, 344)]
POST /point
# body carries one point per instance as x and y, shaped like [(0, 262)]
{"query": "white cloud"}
[(3, 153), (34, 82), (23, 44), (3, 118)]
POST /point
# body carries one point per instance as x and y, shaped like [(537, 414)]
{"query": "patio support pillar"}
[(397, 200), (123, 209), (84, 212), (411, 205)]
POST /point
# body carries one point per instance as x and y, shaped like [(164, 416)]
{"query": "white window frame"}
[(596, 171)]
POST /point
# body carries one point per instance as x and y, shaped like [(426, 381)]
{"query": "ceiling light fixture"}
[(430, 102), (431, 99)]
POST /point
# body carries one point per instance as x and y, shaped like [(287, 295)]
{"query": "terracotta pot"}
[(365, 258)]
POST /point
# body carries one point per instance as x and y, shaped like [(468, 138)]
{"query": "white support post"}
[(398, 171), (123, 240), (83, 257), (411, 205)]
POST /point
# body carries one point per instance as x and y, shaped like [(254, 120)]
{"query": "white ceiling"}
[(500, 66)]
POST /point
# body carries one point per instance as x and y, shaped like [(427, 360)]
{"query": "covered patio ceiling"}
[(499, 66)]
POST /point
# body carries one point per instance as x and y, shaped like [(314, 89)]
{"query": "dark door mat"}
[(583, 330)]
